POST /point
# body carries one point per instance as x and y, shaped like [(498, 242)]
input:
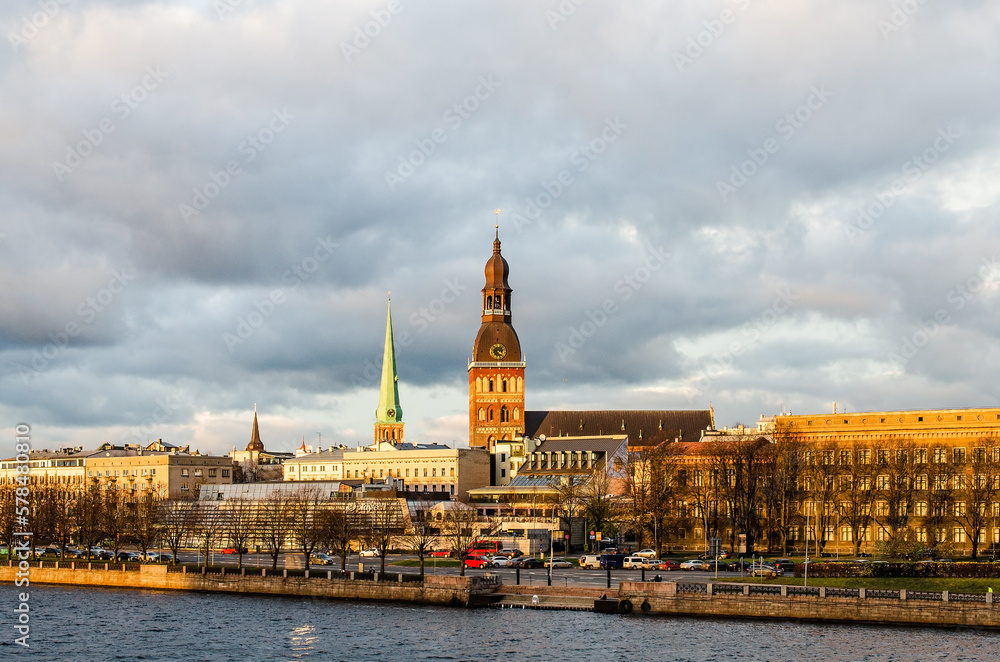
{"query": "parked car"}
[(786, 565), (322, 559), (710, 565), (500, 561), (439, 553), (127, 557), (529, 562), (511, 553), (232, 550), (558, 563), (764, 570), (646, 553), (478, 561), (590, 561), (741, 564), (669, 564), (368, 553), (693, 564)]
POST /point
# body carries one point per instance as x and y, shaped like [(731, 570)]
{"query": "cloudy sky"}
[(761, 204)]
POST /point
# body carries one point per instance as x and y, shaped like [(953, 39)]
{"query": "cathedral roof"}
[(389, 410), (497, 268), (255, 443), (643, 427)]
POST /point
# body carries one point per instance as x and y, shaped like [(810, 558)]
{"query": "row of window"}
[(939, 455), (499, 384), (361, 473), (487, 414)]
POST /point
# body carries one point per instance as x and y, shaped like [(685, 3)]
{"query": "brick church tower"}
[(496, 371)]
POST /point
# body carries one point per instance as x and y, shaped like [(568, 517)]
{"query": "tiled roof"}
[(643, 427), (607, 444)]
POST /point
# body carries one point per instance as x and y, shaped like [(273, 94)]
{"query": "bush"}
[(936, 569)]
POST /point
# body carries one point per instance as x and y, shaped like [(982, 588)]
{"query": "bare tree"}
[(783, 490), (420, 542), (459, 526), (146, 521), (940, 498), (179, 521), (241, 522), (342, 529), (87, 516), (977, 488), (741, 465), (857, 494), (895, 484), (209, 525), (598, 506), (307, 529), (275, 524), (384, 523)]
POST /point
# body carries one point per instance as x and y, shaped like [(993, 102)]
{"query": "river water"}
[(70, 623)]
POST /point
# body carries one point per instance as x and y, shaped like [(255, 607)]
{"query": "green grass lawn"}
[(956, 585)]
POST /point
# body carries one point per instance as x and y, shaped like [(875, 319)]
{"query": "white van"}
[(634, 562), (590, 562)]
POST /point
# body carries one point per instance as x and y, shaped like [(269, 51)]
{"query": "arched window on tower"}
[(506, 300), (504, 414), (499, 302), (503, 386), (489, 302), (482, 414), (517, 414), (489, 414), (491, 386), (479, 384)]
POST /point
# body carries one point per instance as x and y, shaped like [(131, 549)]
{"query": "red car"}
[(440, 553), (477, 561), (669, 564), (232, 550)]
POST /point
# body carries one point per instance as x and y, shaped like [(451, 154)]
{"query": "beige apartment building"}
[(62, 467), (170, 475), (421, 467)]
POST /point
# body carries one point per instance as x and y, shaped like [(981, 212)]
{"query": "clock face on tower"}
[(390, 412), (498, 351)]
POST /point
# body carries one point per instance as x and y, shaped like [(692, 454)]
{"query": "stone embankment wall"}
[(433, 590), (815, 604)]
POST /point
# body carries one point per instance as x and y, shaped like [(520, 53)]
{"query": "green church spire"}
[(389, 410)]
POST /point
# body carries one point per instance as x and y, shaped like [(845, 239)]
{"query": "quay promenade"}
[(666, 598)]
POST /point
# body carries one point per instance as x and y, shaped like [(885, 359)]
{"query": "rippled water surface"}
[(110, 624)]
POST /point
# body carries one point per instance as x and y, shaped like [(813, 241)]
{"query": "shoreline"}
[(687, 599)]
